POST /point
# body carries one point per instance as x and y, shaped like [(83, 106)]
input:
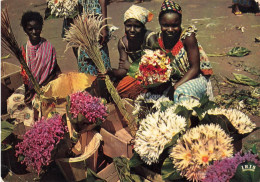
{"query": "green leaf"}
[(5, 147), (173, 141), (135, 160), (245, 80), (246, 172), (133, 69), (168, 171), (6, 130), (123, 170), (183, 111), (254, 149), (92, 177), (238, 52)]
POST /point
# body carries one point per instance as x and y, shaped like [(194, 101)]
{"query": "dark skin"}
[(33, 30), (171, 30), (133, 40)]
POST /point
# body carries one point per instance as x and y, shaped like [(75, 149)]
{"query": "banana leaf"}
[(247, 171), (238, 52), (133, 69), (6, 130), (242, 79), (169, 172)]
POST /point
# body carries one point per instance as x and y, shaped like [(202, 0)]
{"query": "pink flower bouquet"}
[(40, 141), (154, 68), (85, 110)]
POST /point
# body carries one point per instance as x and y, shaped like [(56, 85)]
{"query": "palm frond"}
[(84, 34), (11, 45)]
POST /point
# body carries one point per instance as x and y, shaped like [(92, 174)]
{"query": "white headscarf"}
[(139, 13)]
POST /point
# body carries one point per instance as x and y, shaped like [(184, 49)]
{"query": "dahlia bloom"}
[(198, 147), (155, 131)]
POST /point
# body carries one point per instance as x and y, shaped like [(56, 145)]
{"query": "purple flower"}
[(224, 170), (89, 106), (39, 141)]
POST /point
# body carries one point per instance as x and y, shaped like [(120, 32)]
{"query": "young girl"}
[(190, 63), (136, 38), (40, 56)]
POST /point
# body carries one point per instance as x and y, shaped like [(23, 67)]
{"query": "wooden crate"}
[(109, 173), (75, 169), (118, 144)]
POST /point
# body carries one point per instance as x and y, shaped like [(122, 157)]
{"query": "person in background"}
[(85, 64), (40, 57), (190, 63), (246, 5), (130, 48)]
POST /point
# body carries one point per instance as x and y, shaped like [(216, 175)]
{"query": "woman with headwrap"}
[(136, 38), (192, 69)]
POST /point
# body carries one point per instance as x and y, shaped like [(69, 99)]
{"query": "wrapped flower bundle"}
[(36, 148), (198, 147), (237, 118), (62, 8), (154, 68), (155, 131), (84, 109)]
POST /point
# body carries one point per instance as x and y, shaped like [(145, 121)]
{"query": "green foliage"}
[(246, 172), (168, 171), (173, 141), (244, 80), (6, 130), (135, 160), (133, 69), (123, 170), (238, 52), (92, 177)]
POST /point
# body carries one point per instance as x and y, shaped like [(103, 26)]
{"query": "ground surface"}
[(217, 33)]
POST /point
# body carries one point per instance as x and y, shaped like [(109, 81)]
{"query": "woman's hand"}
[(123, 64)]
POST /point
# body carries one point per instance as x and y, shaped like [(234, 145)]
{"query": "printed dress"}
[(196, 87), (85, 64)]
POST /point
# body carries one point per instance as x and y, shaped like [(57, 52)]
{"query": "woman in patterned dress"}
[(191, 66)]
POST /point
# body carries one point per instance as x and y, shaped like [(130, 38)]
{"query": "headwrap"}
[(171, 5), (139, 13)]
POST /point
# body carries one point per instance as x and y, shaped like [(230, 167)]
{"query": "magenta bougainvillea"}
[(89, 106), (39, 142)]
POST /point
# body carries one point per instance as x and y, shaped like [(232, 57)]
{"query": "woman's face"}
[(133, 29), (33, 30), (170, 25)]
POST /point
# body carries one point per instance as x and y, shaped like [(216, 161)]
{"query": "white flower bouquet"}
[(62, 8)]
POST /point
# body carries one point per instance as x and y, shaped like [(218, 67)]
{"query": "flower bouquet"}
[(38, 146), (85, 111), (62, 8), (154, 68)]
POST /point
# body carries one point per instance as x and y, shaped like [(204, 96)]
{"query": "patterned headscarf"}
[(139, 13), (171, 5)]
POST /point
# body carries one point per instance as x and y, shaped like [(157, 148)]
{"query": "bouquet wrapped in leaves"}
[(85, 111), (62, 8), (38, 146), (154, 68), (203, 133)]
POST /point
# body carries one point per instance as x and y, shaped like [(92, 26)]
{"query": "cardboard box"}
[(118, 144), (10, 81), (109, 173)]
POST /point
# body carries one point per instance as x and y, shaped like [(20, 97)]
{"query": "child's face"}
[(170, 25), (133, 29), (33, 30)]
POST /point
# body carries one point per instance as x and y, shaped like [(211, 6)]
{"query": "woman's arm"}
[(191, 46), (104, 31), (124, 64)]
